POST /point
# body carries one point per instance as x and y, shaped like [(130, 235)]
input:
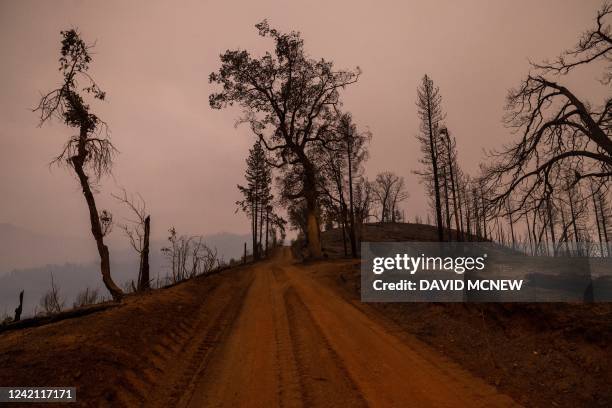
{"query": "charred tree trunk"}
[(604, 223), (94, 218), (255, 216), (551, 225), (455, 209), (144, 280), (261, 225), (343, 223), (459, 201), (529, 235), (564, 236), (434, 165), (477, 224), (468, 219), (351, 206), (511, 225), (484, 215), (598, 223), (446, 206), (267, 227), (312, 210), (19, 308), (573, 221)]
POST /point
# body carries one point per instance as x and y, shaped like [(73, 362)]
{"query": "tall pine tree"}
[(257, 195), (429, 104)]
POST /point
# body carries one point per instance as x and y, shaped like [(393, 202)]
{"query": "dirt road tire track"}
[(197, 343), (324, 379), (297, 343)]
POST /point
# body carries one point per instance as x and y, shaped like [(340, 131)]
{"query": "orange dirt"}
[(271, 334)]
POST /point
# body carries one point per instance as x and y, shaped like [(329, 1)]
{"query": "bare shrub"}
[(52, 302), (86, 297), (189, 256)]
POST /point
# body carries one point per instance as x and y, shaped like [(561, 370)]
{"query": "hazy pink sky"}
[(153, 59)]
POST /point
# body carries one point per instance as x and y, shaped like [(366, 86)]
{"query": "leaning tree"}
[(289, 100), (557, 130), (90, 152)]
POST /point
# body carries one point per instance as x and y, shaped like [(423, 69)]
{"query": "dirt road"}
[(276, 333), (295, 342)]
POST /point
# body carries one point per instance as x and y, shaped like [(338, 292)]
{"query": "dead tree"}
[(556, 128), (90, 152), (595, 44), (189, 256), (429, 104), (389, 191), (451, 158), (355, 144), (19, 308), (52, 302), (138, 230)]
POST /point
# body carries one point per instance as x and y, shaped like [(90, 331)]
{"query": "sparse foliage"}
[(89, 152)]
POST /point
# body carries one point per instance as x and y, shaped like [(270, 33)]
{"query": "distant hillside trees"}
[(429, 109), (289, 101), (90, 152)]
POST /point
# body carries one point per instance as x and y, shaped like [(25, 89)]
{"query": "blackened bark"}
[(19, 308), (351, 206), (143, 282), (434, 165)]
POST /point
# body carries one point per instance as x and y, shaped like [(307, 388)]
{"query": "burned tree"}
[(138, 230), (556, 128), (389, 191), (288, 98), (341, 164), (90, 152), (189, 256), (52, 302), (19, 309), (354, 143), (452, 169), (429, 104)]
